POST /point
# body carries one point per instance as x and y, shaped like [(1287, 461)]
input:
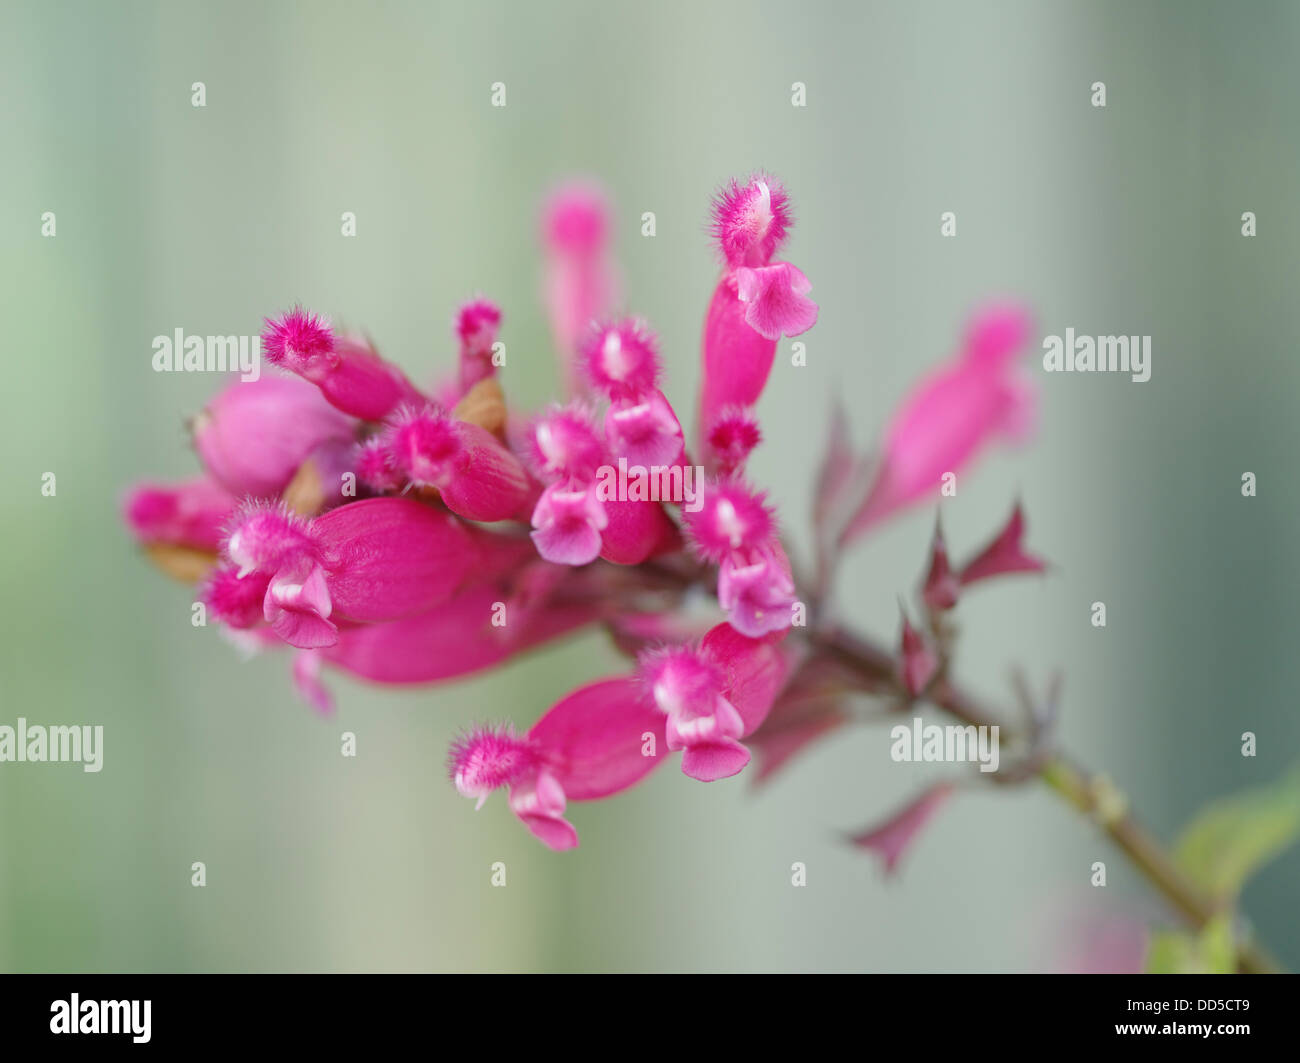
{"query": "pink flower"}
[(192, 514), (756, 300), (622, 359), (596, 742), (951, 417), (580, 285), (254, 435), (477, 477), (636, 531), (751, 220), (713, 695), (567, 523), (565, 445), (477, 324), (730, 439), (644, 430), (892, 838), (370, 561), (349, 373)]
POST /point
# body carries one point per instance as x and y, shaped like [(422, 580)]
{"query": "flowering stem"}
[(1090, 794)]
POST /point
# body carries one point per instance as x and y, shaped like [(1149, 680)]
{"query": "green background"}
[(1117, 220)]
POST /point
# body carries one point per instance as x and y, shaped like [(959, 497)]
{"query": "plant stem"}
[(1090, 794)]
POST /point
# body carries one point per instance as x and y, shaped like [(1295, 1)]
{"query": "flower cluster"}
[(406, 535)]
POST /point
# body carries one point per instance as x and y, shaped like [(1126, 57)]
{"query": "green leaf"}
[(1209, 952), (1233, 837)]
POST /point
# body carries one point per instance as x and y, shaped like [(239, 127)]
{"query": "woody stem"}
[(1087, 792)]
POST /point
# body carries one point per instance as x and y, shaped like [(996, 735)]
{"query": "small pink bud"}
[(622, 359), (375, 467), (254, 435), (565, 445), (580, 285), (945, 423), (731, 519), (475, 475), (731, 438), (918, 663), (892, 838), (636, 531), (298, 341), (941, 587), (776, 300), (193, 513), (267, 536), (478, 323), (488, 758), (1004, 555), (735, 359), (348, 371), (751, 220)]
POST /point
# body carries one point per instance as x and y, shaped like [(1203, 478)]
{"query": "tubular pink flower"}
[(579, 280), (565, 445), (776, 300), (254, 435), (1005, 555), (567, 523), (645, 431), (622, 359), (454, 639), (751, 220), (193, 513), (476, 476), (596, 742), (949, 419), (759, 595), (351, 376), (266, 536), (732, 519), (488, 758), (478, 323), (730, 439), (635, 531), (736, 360), (369, 561), (892, 838), (713, 695)]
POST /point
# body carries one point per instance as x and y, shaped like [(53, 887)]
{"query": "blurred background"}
[(1117, 220)]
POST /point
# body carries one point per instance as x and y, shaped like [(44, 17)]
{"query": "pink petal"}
[(636, 531), (756, 671), (594, 739), (713, 761), (736, 360), (775, 300), (391, 557)]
